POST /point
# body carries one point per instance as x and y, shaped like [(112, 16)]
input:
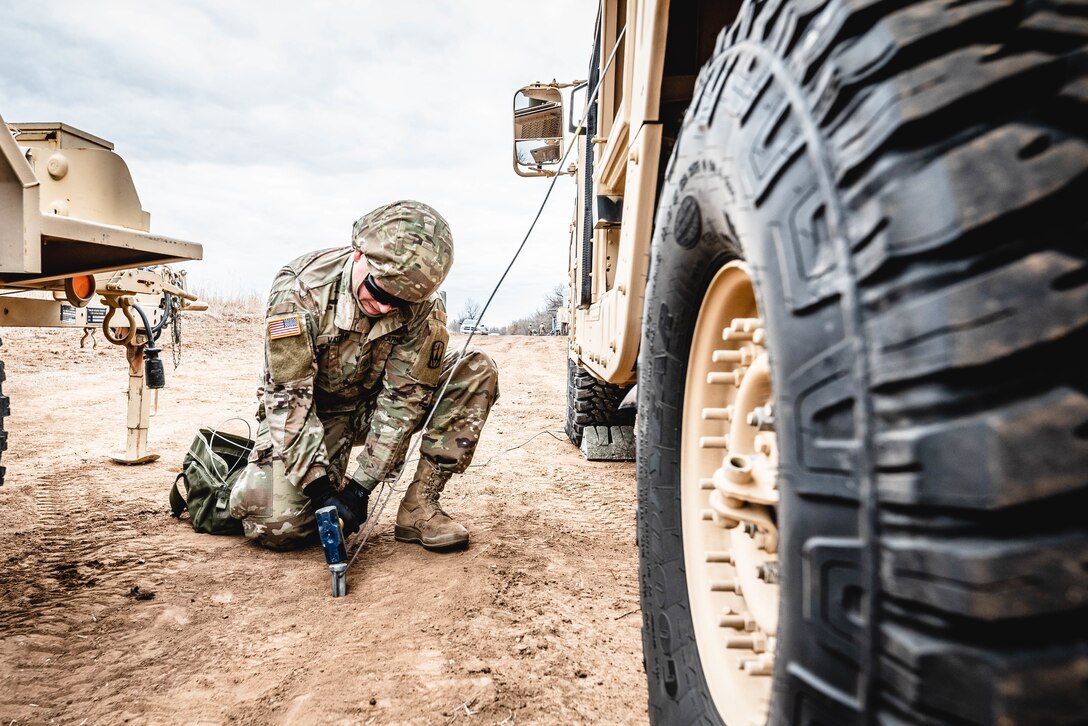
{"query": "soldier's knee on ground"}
[(274, 513)]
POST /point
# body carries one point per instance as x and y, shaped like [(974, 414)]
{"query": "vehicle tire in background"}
[(593, 403), (903, 185)]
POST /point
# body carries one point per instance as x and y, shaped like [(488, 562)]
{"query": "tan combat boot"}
[(421, 519)]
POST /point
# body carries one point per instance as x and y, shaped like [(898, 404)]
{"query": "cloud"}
[(263, 130)]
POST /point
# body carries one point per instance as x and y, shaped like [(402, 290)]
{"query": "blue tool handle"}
[(332, 538)]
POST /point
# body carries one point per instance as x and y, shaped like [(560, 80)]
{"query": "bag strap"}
[(177, 501), (209, 444)]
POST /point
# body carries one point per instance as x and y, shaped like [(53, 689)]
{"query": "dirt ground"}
[(536, 622)]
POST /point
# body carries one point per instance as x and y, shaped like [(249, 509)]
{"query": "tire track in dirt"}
[(50, 556), (64, 567), (80, 569)]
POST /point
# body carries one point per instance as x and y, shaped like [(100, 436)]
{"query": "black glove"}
[(350, 503)]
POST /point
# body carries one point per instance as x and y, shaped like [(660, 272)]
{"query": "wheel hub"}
[(729, 494)]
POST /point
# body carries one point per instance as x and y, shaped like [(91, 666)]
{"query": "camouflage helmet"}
[(408, 248)]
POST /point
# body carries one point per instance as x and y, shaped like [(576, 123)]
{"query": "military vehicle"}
[(840, 246), (72, 229)]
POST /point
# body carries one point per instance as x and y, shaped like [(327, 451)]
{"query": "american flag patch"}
[(284, 328)]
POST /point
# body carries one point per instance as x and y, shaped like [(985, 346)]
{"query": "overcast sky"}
[(263, 130)]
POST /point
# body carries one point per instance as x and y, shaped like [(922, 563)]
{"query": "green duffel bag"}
[(211, 468)]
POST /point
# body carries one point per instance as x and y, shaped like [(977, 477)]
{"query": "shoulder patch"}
[(431, 356), (290, 356), (284, 327)]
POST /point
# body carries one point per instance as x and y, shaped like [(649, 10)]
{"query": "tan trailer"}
[(840, 248), (76, 251)]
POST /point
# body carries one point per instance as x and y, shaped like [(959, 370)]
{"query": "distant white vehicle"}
[(469, 325)]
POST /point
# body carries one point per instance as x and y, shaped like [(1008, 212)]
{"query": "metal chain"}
[(175, 331)]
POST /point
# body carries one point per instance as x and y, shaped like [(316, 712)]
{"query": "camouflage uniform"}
[(336, 378)]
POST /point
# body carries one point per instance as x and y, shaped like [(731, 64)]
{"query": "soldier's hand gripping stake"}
[(332, 540)]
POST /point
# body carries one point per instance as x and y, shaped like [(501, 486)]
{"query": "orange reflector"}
[(83, 286), (80, 289)]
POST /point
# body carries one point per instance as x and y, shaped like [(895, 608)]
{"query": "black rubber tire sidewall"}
[(682, 265), (678, 690)]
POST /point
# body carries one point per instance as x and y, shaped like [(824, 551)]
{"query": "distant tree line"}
[(532, 324), (542, 316)]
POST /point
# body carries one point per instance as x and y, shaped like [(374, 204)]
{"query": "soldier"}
[(355, 351)]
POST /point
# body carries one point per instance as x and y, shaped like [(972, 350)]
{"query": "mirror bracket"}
[(571, 170), (554, 84)]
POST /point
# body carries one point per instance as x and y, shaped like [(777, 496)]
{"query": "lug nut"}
[(718, 414), (739, 642), (756, 642), (746, 324), (761, 666), (736, 622), (726, 356), (768, 572), (762, 418), (730, 618), (743, 355), (735, 335)]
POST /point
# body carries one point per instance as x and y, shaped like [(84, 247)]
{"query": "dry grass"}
[(232, 304)]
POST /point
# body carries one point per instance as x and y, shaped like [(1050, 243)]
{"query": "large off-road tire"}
[(903, 186), (593, 403)]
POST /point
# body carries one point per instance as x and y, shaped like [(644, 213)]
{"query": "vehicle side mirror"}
[(538, 130)]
